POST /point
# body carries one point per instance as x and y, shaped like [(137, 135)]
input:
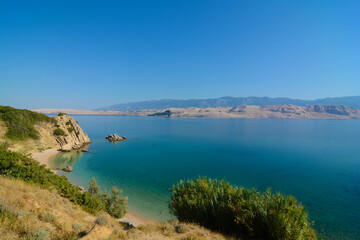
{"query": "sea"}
[(317, 161)]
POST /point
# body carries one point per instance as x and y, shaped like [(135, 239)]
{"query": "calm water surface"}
[(317, 161)]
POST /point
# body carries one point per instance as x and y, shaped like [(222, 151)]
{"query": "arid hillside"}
[(250, 111), (29, 132), (29, 212)]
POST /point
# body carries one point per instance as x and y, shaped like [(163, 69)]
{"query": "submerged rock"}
[(68, 169), (115, 138)]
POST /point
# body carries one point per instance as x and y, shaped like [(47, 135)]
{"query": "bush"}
[(70, 129), (20, 123), (68, 122), (59, 132), (19, 166), (48, 217), (102, 219), (181, 228), (39, 234), (114, 204), (234, 210), (117, 205), (61, 114), (93, 187), (77, 227)]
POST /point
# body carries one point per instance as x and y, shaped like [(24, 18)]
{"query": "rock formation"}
[(68, 169), (74, 138), (115, 138)]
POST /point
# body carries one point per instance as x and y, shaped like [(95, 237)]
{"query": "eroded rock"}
[(68, 169), (115, 138)]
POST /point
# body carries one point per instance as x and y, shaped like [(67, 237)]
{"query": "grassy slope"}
[(20, 123), (27, 210), (37, 204)]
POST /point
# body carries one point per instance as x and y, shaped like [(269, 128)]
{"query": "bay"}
[(317, 161)]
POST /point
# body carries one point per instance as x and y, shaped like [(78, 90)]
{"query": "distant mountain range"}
[(353, 101)]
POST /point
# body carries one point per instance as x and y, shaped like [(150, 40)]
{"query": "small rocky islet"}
[(115, 138)]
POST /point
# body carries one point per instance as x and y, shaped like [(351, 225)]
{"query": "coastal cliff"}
[(75, 138), (30, 132)]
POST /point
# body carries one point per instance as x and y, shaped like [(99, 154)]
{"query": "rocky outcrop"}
[(333, 109), (74, 137), (115, 138), (68, 169), (82, 189)]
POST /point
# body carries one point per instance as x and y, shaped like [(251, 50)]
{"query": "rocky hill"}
[(28, 132), (74, 137), (248, 111), (270, 111), (353, 101)]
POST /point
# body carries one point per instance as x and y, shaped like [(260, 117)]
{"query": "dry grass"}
[(172, 230), (27, 211), (24, 207)]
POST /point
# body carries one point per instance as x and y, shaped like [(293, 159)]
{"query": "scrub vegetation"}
[(19, 166), (59, 132), (219, 206), (20, 123)]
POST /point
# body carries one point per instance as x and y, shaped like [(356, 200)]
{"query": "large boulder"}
[(115, 138), (68, 169)]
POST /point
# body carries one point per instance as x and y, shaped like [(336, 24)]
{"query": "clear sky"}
[(89, 54)]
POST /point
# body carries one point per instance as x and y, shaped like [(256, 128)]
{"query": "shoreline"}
[(44, 157), (131, 218)]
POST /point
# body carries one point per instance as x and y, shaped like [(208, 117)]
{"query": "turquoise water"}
[(317, 161)]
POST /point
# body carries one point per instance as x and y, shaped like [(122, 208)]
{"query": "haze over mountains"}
[(353, 101)]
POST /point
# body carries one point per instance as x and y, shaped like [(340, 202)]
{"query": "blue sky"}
[(89, 54)]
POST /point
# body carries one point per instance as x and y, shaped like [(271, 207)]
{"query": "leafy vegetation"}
[(59, 132), (70, 129), (43, 214), (61, 114), (114, 204), (235, 210), (18, 166), (20, 123), (68, 122), (166, 113)]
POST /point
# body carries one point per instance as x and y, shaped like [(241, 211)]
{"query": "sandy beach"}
[(43, 157), (135, 220)]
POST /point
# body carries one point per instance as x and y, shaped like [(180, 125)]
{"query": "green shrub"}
[(102, 219), (19, 166), (114, 204), (59, 132), (61, 114), (70, 129), (48, 217), (117, 205), (234, 210), (68, 122), (181, 228), (39, 234), (20, 123)]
